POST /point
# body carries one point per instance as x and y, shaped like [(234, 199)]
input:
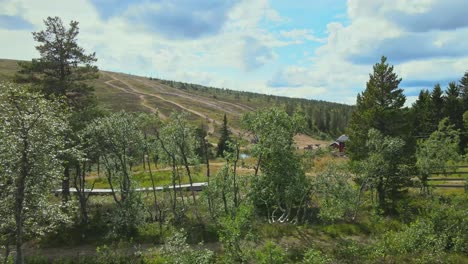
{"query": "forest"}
[(80, 183)]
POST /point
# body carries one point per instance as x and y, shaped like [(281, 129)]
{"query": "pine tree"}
[(224, 138), (380, 107), (62, 71), (63, 65)]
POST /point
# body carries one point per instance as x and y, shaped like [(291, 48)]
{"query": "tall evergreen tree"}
[(423, 115), (464, 105), (464, 91), (63, 65), (224, 138), (380, 107), (453, 107), (437, 103)]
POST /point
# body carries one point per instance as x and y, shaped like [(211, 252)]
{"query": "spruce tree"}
[(380, 106), (437, 103), (464, 90), (424, 122), (453, 108), (224, 138)]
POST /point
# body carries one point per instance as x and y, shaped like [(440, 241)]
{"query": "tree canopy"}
[(379, 106), (63, 65)]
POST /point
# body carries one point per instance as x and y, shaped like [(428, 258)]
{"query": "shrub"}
[(314, 256), (270, 253), (176, 250)]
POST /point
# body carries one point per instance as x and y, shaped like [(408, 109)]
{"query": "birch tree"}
[(31, 142), (120, 146), (282, 190)]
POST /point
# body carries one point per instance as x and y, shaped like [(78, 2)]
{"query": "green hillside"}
[(118, 91)]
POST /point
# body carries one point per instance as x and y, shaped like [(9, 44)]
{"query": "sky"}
[(321, 49)]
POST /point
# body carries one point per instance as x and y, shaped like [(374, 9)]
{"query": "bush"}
[(314, 256), (127, 216), (270, 253), (334, 193), (176, 250), (349, 251)]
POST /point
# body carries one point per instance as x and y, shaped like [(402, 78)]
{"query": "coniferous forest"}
[(82, 182)]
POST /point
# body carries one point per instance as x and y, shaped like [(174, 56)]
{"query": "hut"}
[(339, 143)]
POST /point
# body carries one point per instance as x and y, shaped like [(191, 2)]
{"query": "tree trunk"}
[(235, 188), (223, 193), (153, 184), (258, 164), (381, 194), (187, 168), (19, 200), (7, 252), (207, 160), (66, 183), (80, 180)]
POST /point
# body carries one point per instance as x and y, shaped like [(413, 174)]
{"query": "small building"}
[(340, 143)]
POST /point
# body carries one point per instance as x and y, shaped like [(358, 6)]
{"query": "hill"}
[(118, 91)]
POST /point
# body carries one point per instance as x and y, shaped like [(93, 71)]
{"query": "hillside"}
[(118, 91)]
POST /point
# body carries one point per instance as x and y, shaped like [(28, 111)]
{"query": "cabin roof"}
[(342, 138)]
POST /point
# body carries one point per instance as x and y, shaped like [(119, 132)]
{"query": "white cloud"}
[(343, 63), (242, 53), (300, 34)]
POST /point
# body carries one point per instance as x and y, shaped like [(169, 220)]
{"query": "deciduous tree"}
[(384, 168), (31, 142), (432, 154), (282, 190)]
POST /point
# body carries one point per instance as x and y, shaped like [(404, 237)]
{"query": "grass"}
[(162, 176)]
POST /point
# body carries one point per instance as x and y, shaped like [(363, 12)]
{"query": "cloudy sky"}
[(321, 49)]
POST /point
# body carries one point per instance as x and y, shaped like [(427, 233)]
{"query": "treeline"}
[(324, 119), (396, 142), (434, 105)]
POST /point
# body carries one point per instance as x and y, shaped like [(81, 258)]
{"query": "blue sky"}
[(313, 49)]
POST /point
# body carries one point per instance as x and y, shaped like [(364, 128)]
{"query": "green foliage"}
[(322, 118), (350, 251), (380, 106), (126, 218), (315, 256), (425, 117), (223, 139), (176, 250), (281, 192), (441, 228), (465, 119), (115, 254), (384, 168), (334, 193), (31, 143), (270, 253), (233, 232), (63, 65), (119, 144), (433, 154)]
